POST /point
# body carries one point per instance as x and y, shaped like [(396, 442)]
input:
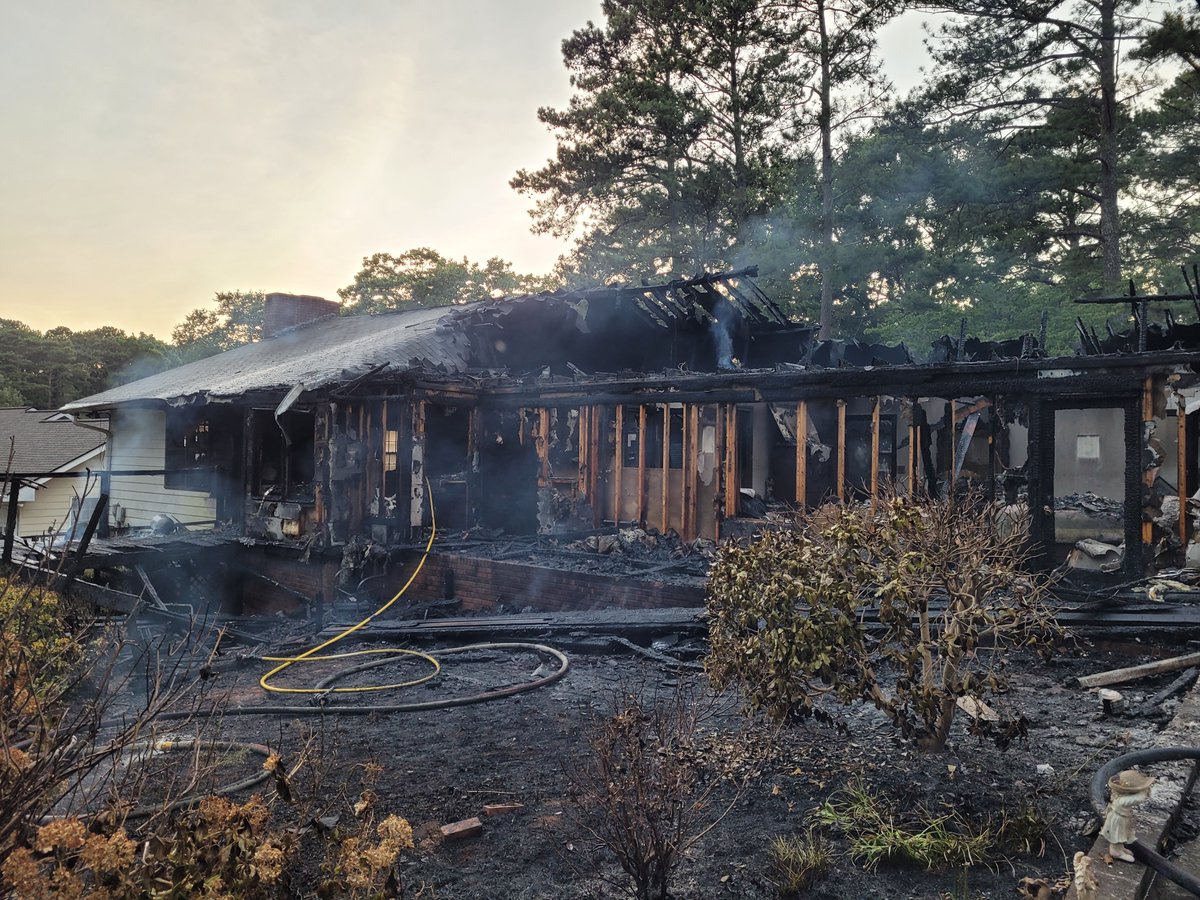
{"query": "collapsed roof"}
[(702, 323), (710, 323)]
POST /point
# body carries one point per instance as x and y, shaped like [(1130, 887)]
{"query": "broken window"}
[(653, 436), (395, 483), (629, 437), (1088, 486), (283, 463), (675, 443), (564, 441), (187, 446)]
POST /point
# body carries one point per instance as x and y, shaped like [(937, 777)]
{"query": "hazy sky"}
[(158, 151)]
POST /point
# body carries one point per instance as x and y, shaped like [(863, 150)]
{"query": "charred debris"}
[(623, 431)]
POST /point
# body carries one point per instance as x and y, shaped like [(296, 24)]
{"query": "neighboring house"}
[(44, 443), (681, 406)]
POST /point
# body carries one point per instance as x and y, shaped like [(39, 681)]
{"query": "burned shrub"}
[(642, 792), (817, 611)]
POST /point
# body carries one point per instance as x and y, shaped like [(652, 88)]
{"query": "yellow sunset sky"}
[(158, 151)]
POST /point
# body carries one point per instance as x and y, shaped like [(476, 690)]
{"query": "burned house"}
[(691, 407)]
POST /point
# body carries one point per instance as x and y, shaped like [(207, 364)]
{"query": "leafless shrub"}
[(67, 713), (643, 791)]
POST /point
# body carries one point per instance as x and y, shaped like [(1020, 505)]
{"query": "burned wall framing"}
[(597, 486)]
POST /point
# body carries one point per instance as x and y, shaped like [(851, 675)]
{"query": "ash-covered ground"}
[(443, 766)]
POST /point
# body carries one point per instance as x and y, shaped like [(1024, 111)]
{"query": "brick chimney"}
[(285, 311)]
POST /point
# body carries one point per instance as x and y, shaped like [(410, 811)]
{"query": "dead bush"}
[(642, 792), (90, 807), (937, 590), (67, 715)]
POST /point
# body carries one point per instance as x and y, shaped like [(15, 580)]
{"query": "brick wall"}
[(479, 584), (284, 311), (261, 598)]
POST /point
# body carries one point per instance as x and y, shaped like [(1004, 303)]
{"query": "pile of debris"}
[(1091, 503), (640, 542)]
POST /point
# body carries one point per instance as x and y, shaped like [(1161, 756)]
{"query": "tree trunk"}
[(936, 742), (737, 115), (825, 122), (1110, 226)]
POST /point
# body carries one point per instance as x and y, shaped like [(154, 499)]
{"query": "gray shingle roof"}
[(319, 353), (334, 350), (43, 440)]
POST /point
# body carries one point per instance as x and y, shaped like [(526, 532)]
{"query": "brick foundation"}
[(261, 598), (479, 584)]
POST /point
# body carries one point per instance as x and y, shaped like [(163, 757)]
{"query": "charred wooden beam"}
[(583, 442), (595, 442), (641, 489), (925, 447), (691, 414), (841, 450), (88, 533), (912, 447), (100, 473), (618, 463), (875, 414), (951, 442), (416, 514), (541, 443), (1181, 469), (666, 469), (106, 490), (1148, 473), (731, 461), (12, 485), (149, 587), (802, 454)]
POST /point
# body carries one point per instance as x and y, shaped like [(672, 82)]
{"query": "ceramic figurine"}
[(1126, 790), (1086, 884)]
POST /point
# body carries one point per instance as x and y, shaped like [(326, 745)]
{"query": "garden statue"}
[(1086, 884), (1126, 790)]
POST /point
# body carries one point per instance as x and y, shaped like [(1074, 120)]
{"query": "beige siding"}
[(139, 442), (51, 506)]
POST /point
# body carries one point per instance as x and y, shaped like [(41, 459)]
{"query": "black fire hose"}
[(1142, 852), (318, 708)]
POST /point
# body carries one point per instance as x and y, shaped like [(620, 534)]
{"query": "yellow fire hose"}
[(311, 655)]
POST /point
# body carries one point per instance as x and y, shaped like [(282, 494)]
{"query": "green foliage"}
[(50, 369), (9, 395), (1013, 182), (677, 134), (882, 831), (798, 861), (423, 277), (237, 320), (1022, 832), (787, 614), (879, 833), (38, 646)]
